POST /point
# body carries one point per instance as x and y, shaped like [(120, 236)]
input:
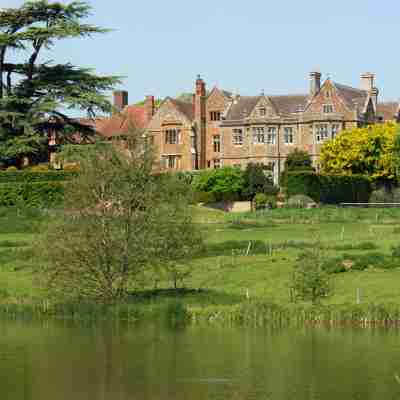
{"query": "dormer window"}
[(327, 108), (327, 94), (215, 115), (262, 112)]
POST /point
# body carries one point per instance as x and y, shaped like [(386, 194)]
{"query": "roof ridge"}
[(341, 86)]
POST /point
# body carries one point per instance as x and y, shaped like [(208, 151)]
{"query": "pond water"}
[(59, 360)]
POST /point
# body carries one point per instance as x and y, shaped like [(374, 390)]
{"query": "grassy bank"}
[(244, 274)]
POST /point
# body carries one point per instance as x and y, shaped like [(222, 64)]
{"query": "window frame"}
[(328, 109), (288, 132), (237, 133), (215, 116), (172, 133), (216, 141), (258, 133), (271, 133)]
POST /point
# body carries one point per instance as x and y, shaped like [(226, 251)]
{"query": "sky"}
[(245, 46)]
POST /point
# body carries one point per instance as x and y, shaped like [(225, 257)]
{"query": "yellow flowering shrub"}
[(367, 150)]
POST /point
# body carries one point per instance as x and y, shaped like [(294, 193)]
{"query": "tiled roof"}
[(388, 110), (242, 107), (290, 103), (184, 107), (353, 97), (120, 124)]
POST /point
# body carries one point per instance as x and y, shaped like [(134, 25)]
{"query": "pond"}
[(64, 360)]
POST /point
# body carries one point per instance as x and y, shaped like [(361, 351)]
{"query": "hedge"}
[(329, 189), (31, 194), (35, 176)]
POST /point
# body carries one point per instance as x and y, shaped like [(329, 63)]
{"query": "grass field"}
[(248, 255)]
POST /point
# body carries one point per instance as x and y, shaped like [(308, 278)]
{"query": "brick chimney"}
[(149, 107), (200, 120), (120, 99), (315, 83)]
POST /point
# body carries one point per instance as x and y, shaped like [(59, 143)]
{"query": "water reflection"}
[(56, 360)]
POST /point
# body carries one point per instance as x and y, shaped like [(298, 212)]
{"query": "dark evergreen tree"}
[(34, 93)]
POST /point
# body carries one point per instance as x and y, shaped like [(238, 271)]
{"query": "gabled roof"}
[(225, 93), (244, 105), (120, 124), (388, 111), (353, 98)]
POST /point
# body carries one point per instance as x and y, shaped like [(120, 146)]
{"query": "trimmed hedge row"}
[(35, 176), (32, 194), (329, 189)]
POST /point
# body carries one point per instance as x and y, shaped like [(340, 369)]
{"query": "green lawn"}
[(225, 270)]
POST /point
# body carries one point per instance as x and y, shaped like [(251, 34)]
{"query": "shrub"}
[(296, 161), (385, 195), (299, 201), (260, 200), (221, 182), (310, 281), (28, 176), (263, 200), (11, 169), (329, 189), (31, 194), (256, 180)]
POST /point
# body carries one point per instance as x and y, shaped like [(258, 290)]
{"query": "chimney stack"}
[(367, 81), (120, 99), (315, 83), (149, 106), (200, 119)]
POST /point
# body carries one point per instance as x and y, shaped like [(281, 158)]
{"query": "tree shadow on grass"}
[(200, 297)]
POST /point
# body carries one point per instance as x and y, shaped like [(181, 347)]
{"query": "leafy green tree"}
[(309, 281), (34, 93), (122, 222), (369, 151), (224, 183), (296, 161), (256, 181), (396, 153)]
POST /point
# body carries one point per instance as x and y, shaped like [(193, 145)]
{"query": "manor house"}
[(218, 128)]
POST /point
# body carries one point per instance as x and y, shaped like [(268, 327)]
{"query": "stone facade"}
[(218, 128)]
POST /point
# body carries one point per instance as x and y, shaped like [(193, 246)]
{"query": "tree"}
[(122, 221), (396, 153), (225, 183), (34, 93), (368, 151), (296, 161), (256, 181), (309, 281)]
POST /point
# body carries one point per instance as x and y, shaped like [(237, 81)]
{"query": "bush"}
[(260, 200), (296, 161), (222, 182), (329, 189), (256, 181), (385, 195), (263, 200), (31, 194), (299, 201), (11, 169), (203, 197), (29, 176)]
